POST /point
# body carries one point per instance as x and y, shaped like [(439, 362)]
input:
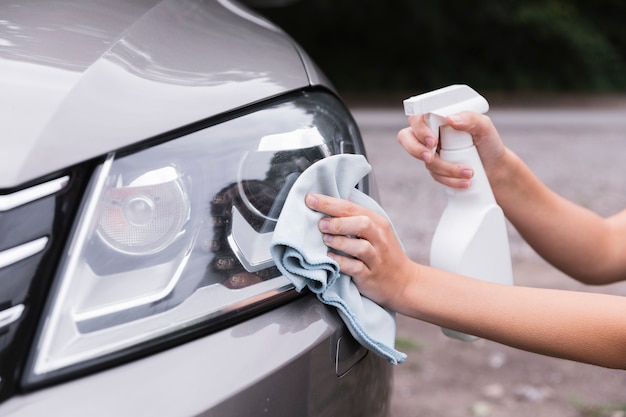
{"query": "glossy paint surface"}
[(226, 378), (87, 78)]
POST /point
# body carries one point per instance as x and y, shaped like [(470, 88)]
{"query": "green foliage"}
[(589, 410), (405, 344), (415, 45)]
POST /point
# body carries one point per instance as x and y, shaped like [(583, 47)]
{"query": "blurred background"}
[(376, 47)]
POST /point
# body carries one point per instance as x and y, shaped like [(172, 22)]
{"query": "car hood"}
[(83, 78)]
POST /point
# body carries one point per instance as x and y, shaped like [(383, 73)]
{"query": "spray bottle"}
[(471, 237)]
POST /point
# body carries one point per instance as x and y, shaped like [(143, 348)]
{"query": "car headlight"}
[(172, 237)]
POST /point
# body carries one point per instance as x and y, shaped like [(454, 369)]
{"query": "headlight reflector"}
[(142, 219)]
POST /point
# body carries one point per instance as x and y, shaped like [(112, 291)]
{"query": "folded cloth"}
[(301, 255)]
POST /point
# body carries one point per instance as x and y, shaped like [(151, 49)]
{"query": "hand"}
[(419, 141), (377, 262)]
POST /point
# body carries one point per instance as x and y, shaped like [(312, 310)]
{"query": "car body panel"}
[(282, 383), (147, 80)]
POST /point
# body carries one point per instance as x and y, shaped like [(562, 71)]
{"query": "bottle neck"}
[(452, 139), (479, 192)]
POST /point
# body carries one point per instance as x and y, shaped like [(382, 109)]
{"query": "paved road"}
[(580, 153)]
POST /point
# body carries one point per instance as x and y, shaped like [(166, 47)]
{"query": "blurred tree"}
[(411, 45)]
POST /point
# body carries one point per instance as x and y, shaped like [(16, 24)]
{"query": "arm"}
[(572, 238), (584, 327), (575, 240)]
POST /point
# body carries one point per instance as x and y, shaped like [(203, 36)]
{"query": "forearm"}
[(583, 327), (570, 237)]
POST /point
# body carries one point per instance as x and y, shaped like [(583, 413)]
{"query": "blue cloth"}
[(301, 255)]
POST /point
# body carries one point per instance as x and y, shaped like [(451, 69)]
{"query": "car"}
[(147, 147)]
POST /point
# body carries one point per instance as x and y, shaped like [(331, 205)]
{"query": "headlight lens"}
[(173, 236), (146, 215)]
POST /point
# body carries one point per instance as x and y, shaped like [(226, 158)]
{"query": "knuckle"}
[(323, 203), (402, 133), (351, 210), (364, 223), (358, 269), (338, 226), (359, 251)]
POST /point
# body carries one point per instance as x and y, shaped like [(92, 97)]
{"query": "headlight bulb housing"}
[(145, 216)]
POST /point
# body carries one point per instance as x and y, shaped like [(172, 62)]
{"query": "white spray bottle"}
[(471, 237)]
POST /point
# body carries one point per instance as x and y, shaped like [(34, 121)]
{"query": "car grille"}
[(31, 220)]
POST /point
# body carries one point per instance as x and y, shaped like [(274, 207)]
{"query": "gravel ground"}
[(575, 149)]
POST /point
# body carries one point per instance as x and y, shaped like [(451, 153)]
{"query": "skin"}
[(584, 327)]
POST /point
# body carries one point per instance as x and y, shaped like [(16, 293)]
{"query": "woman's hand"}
[(420, 141), (376, 260)]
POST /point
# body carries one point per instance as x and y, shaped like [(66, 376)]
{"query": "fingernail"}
[(427, 157), (323, 225), (430, 141), (467, 173), (328, 238), (455, 118), (311, 200)]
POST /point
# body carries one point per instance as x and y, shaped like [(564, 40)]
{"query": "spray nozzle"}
[(438, 104)]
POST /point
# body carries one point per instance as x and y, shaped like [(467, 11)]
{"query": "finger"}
[(453, 182), (419, 140), (359, 226), (411, 143), (451, 174), (448, 173), (477, 124), (467, 121), (350, 266), (353, 246), (335, 207), (423, 131)]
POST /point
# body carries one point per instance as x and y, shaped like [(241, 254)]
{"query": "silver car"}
[(147, 147)]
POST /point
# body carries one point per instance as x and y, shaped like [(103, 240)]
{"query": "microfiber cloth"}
[(301, 255)]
